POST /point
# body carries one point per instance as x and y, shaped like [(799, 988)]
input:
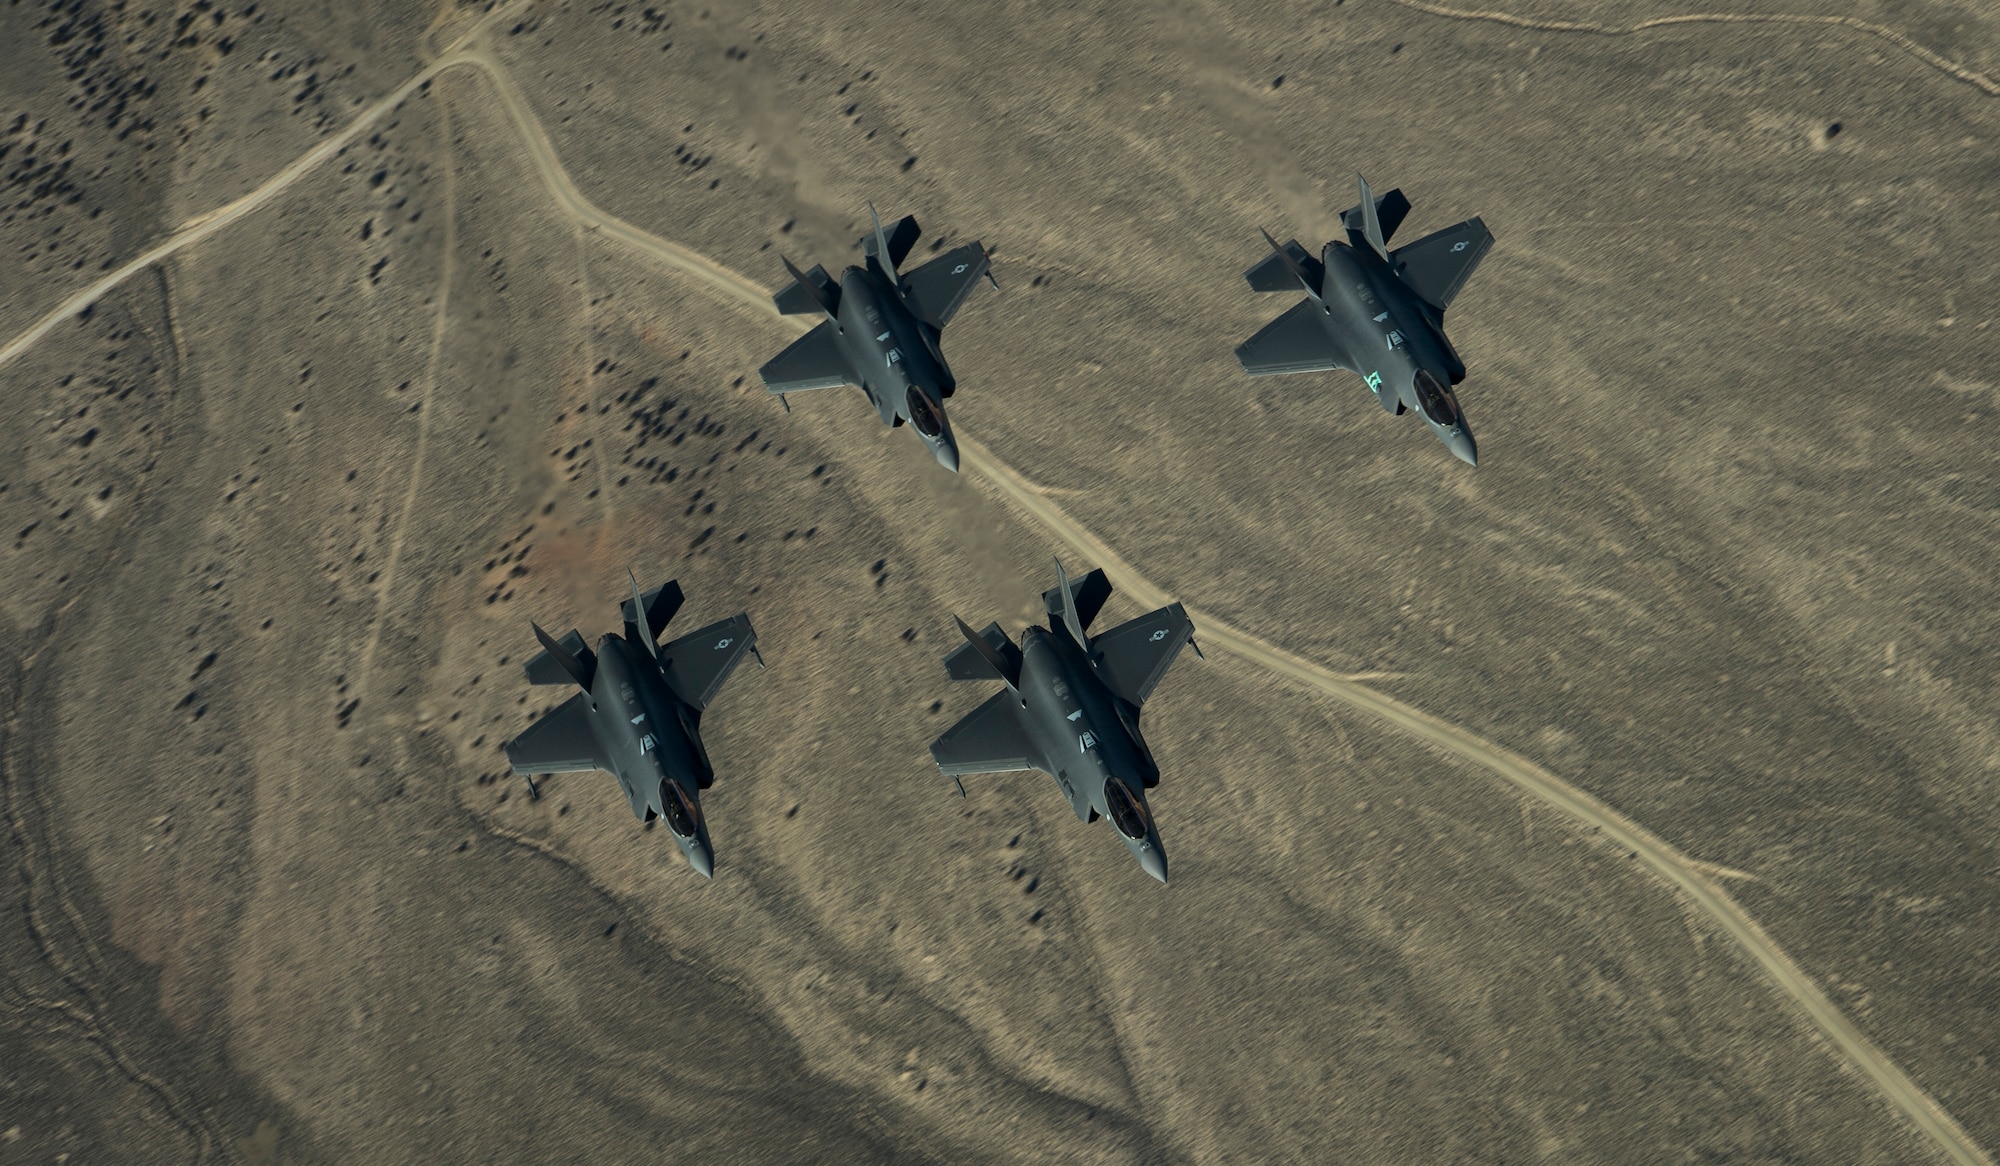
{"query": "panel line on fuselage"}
[(640, 727)]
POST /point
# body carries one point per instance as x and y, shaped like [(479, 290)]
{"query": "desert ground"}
[(1628, 799)]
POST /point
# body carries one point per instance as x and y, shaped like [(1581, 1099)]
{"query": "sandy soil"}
[(277, 508)]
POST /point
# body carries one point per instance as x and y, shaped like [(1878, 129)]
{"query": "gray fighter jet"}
[(639, 715), (1071, 707), (881, 331), (1375, 312)]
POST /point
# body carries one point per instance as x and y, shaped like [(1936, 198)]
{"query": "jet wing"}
[(700, 661), (1294, 342), (1133, 656), (935, 290), (988, 740), (814, 361), (561, 742), (967, 664), (1437, 265)]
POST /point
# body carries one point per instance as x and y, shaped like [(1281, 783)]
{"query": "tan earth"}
[(1629, 799)]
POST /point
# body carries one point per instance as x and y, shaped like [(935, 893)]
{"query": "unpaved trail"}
[(1689, 876)]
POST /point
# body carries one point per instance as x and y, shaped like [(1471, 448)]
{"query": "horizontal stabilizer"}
[(1003, 664), (1390, 210), (818, 289), (813, 361), (662, 603), (1313, 278), (699, 662), (990, 739), (935, 290), (1273, 274), (968, 663), (1132, 657), (1297, 341), (1437, 265), (902, 237), (1090, 593), (543, 667), (800, 300), (546, 667)]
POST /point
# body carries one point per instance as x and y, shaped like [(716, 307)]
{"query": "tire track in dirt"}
[(440, 321), (1936, 61), (202, 226)]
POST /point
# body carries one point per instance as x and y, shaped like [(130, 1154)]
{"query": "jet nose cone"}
[(947, 454), (701, 860), (1154, 860), (1464, 449)]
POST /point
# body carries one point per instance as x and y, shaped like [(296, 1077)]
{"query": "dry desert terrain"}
[(1630, 799)]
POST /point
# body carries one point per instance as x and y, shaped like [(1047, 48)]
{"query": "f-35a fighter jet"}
[(1071, 707), (1375, 312), (881, 331), (639, 715)]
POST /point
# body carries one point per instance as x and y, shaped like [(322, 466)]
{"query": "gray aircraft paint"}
[(882, 332), (638, 717), (1071, 708), (1375, 312)]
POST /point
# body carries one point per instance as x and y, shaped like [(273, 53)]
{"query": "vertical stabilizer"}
[(883, 255), (639, 629), (1070, 619), (1371, 222)]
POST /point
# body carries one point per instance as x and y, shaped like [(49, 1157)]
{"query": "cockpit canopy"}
[(680, 816), (1125, 811), (1436, 401), (926, 416)]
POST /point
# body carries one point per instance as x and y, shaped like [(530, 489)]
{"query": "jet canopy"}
[(680, 818), (925, 415), (1125, 811), (1436, 401)]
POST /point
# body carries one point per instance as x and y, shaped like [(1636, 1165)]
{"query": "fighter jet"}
[(639, 715), (1071, 707), (881, 331), (1375, 312)]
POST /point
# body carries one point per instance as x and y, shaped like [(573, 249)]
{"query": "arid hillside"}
[(1627, 799)]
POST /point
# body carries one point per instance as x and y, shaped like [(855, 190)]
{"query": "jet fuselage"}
[(651, 737), (1089, 741), (897, 358), (1396, 340)]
